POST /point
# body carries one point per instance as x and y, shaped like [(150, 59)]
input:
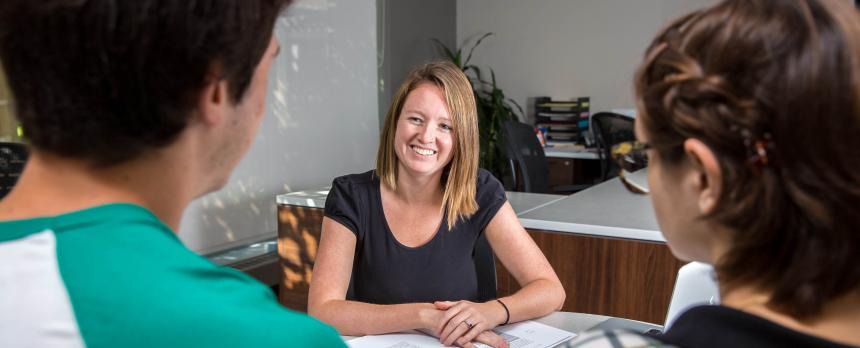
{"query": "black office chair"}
[(610, 129), (12, 159), (524, 151)]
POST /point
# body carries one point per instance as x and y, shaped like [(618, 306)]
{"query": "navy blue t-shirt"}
[(388, 272)]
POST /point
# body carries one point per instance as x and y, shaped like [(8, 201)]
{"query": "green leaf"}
[(469, 57), (493, 107), (445, 49)]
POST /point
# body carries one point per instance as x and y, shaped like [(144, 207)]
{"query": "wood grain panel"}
[(298, 239), (606, 276)]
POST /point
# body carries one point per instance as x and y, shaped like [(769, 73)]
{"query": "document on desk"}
[(526, 334)]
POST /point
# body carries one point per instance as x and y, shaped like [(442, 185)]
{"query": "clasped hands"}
[(463, 322)]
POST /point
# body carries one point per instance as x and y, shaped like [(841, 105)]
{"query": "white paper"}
[(526, 334)]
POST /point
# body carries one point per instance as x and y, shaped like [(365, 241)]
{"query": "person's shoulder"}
[(353, 186), (358, 178), (488, 185), (488, 181), (269, 327), (246, 326), (614, 339), (485, 176), (351, 182), (231, 307)]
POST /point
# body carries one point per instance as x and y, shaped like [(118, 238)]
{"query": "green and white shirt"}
[(115, 276)]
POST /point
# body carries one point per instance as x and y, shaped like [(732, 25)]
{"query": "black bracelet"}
[(507, 312)]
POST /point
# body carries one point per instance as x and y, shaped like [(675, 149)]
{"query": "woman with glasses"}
[(750, 123), (402, 237)]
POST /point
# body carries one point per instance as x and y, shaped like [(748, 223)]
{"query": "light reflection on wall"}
[(321, 122)]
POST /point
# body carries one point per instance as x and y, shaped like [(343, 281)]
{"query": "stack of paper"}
[(526, 334)]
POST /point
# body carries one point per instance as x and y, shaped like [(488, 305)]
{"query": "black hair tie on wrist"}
[(507, 312)]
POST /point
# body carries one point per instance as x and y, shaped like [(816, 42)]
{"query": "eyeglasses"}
[(631, 156)]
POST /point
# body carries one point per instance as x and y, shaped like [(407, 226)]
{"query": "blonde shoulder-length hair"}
[(460, 176)]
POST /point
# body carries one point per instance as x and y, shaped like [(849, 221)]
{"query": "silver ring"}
[(470, 325)]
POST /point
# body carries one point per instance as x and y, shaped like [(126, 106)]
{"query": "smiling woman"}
[(441, 94), (397, 242)]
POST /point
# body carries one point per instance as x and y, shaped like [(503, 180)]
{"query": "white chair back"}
[(696, 285)]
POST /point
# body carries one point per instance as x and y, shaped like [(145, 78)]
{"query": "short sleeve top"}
[(115, 276), (388, 272)]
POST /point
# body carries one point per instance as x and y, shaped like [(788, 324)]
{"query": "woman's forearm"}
[(534, 300), (353, 318)]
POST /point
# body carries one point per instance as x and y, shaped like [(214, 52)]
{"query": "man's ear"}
[(212, 100), (707, 177)]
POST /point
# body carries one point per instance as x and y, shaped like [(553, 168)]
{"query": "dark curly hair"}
[(106, 80), (785, 74)]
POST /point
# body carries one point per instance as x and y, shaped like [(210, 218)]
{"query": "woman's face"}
[(675, 200), (424, 137)]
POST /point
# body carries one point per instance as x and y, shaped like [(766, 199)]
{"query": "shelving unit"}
[(565, 121)]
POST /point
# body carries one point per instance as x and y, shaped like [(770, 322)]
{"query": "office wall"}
[(566, 48), (321, 122), (405, 28)]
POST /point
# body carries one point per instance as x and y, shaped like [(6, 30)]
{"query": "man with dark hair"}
[(132, 109)]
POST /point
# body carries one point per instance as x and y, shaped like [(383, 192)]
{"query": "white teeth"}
[(423, 152)]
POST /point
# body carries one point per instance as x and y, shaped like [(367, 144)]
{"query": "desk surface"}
[(521, 202), (581, 322), (607, 209), (567, 152)]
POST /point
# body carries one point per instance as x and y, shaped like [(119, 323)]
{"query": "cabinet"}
[(608, 276), (572, 171)]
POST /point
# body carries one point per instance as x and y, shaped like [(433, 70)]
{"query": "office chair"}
[(12, 159), (524, 151), (695, 286), (610, 129)]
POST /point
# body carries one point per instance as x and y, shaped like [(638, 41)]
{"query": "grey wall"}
[(405, 28), (320, 122), (566, 48)]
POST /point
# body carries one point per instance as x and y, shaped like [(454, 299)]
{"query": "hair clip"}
[(758, 151)]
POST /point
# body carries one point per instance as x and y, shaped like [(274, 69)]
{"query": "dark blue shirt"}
[(388, 272)]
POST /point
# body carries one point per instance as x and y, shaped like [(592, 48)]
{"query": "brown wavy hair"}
[(461, 175), (785, 74)]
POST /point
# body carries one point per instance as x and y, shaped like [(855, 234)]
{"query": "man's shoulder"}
[(206, 323), (248, 323), (175, 297)]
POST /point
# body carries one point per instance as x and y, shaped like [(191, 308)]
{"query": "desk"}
[(603, 242), (523, 202), (569, 152), (572, 166), (300, 217), (606, 210), (580, 322), (606, 247)]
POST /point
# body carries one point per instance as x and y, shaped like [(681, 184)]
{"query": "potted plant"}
[(494, 108)]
